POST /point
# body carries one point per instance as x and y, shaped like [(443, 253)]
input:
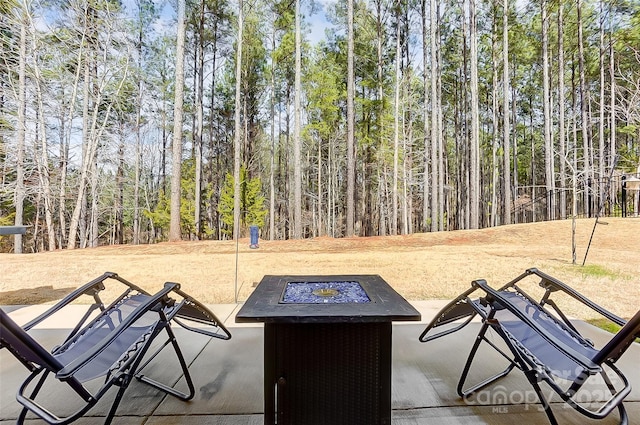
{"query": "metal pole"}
[(235, 290), (624, 196), (602, 199)]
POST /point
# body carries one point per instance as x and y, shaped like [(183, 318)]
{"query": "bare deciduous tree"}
[(546, 106), (175, 233), (351, 160), (20, 191)]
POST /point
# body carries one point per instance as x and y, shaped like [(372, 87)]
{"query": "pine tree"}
[(252, 208)]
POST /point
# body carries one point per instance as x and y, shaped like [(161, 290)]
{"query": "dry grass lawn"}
[(419, 266)]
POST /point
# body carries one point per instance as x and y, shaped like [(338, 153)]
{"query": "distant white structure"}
[(632, 186)]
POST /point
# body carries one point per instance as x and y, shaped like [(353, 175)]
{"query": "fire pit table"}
[(327, 347)]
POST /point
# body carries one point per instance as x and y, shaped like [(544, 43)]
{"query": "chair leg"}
[(125, 379), (568, 398), (532, 377), (116, 402), (183, 365), (624, 419), (465, 371), (22, 416), (623, 413), (34, 393)]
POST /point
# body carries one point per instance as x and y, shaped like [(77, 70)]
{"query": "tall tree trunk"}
[(214, 169), (351, 160), (175, 233), (199, 125), (548, 144), (382, 205), (428, 156), (584, 113), (602, 161), (94, 233), (138, 130), (43, 158), (96, 135), (474, 171), (20, 191), (118, 203), (561, 116), (87, 155), (574, 168), (43, 162), (407, 125), (330, 192), (442, 169), (238, 126), (396, 127), (533, 182), (495, 175), (285, 166), (319, 182), (506, 144), (62, 191), (514, 120), (164, 122), (381, 122), (65, 142), (272, 159), (612, 105), (297, 142), (136, 169), (436, 170)]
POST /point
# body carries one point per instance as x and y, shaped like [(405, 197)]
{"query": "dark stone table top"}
[(266, 304)]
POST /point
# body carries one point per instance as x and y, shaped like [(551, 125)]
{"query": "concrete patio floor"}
[(229, 391)]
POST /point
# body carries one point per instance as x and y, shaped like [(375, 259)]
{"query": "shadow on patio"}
[(228, 377)]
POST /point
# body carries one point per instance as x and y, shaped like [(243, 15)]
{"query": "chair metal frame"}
[(540, 341), (108, 343)]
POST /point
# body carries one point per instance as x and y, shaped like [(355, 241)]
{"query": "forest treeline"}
[(408, 116)]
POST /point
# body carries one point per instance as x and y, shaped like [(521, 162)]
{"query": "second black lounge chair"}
[(541, 341)]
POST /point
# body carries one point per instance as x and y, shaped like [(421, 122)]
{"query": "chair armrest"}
[(562, 346), (90, 288), (552, 284), (140, 310)]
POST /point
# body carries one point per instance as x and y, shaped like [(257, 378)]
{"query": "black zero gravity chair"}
[(545, 346), (108, 345)]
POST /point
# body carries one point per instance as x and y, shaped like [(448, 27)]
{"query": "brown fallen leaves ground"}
[(419, 266)]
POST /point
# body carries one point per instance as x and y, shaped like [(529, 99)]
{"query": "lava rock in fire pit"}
[(324, 293)]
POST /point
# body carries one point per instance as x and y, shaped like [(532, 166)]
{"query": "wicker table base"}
[(328, 373)]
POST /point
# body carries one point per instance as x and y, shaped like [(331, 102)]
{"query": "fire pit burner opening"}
[(324, 293)]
